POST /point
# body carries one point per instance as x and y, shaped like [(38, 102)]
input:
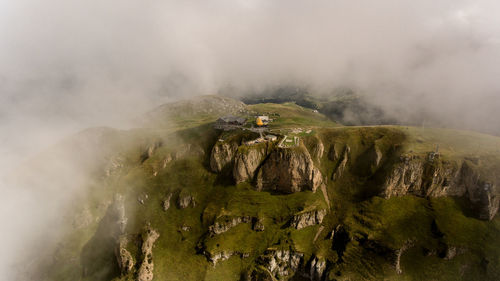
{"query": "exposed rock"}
[(224, 224), (418, 176), (166, 202), (149, 151), (248, 161), (289, 170), (306, 219), (281, 263), (317, 267), (149, 237), (114, 165), (339, 171), (377, 155), (125, 260), (220, 256), (83, 218), (142, 198), (318, 149), (452, 252), (118, 208), (483, 194), (222, 157), (186, 200), (335, 150), (185, 228), (397, 264), (168, 158), (257, 224)]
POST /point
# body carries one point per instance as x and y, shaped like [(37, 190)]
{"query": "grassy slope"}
[(387, 222)]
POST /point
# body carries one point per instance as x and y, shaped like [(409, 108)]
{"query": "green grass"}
[(377, 226)]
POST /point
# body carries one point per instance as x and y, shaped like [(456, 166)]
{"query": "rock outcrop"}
[(248, 161), (222, 157), (258, 224), (124, 258), (118, 208), (289, 170), (222, 225), (397, 263), (186, 200), (306, 219), (220, 256), (420, 176), (149, 151), (281, 263), (149, 237), (339, 171), (317, 267), (166, 202), (318, 149)]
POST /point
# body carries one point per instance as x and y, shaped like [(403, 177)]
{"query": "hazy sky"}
[(66, 64)]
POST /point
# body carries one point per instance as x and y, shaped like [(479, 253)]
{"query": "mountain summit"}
[(301, 198)]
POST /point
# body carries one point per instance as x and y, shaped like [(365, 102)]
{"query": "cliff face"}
[(222, 156), (428, 177), (284, 170), (248, 161), (288, 171)]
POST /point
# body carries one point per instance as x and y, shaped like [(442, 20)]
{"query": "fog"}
[(66, 65)]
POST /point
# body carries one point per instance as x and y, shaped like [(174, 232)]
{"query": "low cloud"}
[(68, 65)]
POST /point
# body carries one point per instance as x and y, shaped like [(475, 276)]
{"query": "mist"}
[(69, 65)]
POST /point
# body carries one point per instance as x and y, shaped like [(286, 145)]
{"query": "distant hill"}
[(342, 106)]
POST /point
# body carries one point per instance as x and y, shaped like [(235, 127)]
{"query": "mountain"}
[(177, 199), (342, 105)]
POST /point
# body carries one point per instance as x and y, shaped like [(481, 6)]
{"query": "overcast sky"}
[(70, 64), (66, 65)]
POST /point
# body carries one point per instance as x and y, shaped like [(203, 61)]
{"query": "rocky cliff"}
[(248, 161), (284, 170), (432, 177), (289, 170)]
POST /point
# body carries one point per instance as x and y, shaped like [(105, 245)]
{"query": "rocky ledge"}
[(432, 177), (306, 219)]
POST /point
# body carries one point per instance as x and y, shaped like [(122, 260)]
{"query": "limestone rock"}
[(317, 267), (306, 219), (142, 198), (114, 165), (318, 149), (418, 176), (220, 256), (125, 260), (222, 225), (149, 237), (118, 209), (222, 156), (339, 171), (186, 200), (289, 170), (151, 148), (248, 161), (397, 264), (83, 218), (258, 225), (281, 263), (166, 202)]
